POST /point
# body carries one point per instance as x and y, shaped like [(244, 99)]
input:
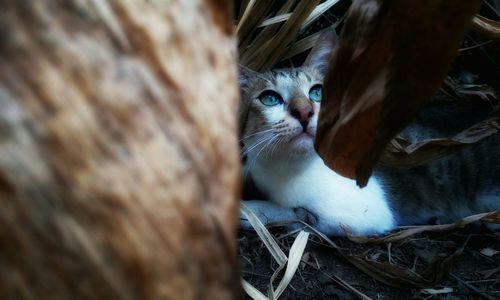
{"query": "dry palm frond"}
[(402, 153), (264, 235), (291, 262), (252, 291), (304, 44), (268, 34), (487, 27), (409, 231)]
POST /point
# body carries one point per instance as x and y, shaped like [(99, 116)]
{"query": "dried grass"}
[(290, 263), (267, 34)]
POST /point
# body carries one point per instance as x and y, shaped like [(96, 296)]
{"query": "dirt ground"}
[(475, 274)]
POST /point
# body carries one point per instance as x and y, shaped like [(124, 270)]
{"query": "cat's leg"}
[(269, 212)]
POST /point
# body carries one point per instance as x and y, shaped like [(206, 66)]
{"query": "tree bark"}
[(119, 165)]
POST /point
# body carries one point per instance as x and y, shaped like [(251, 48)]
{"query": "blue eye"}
[(315, 93), (270, 98)]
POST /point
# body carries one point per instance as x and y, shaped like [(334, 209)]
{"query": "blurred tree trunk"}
[(119, 167)]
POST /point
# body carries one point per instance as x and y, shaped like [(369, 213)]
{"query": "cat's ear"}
[(244, 75), (320, 54)]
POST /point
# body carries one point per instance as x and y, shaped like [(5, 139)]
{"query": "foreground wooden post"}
[(119, 165)]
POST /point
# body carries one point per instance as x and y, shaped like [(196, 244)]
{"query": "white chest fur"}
[(335, 200)]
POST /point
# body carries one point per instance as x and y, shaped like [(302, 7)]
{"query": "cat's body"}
[(333, 200), (282, 162), (455, 186)]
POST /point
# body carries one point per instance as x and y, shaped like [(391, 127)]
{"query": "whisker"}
[(245, 151), (276, 144), (254, 160), (273, 146), (258, 142), (265, 145), (255, 133)]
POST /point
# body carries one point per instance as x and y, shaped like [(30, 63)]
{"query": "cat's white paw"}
[(269, 212)]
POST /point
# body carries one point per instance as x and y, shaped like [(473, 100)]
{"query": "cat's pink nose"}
[(303, 114)]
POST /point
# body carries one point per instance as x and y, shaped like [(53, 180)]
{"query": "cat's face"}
[(279, 108), (281, 111)]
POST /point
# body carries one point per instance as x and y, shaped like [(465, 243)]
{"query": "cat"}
[(278, 118)]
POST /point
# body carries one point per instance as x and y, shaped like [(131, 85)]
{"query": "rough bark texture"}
[(119, 167)]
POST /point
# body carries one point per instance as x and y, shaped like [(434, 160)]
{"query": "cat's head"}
[(280, 108)]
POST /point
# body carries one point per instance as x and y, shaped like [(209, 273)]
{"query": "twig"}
[(471, 287), (475, 46), (482, 281), (254, 274), (491, 7), (346, 286), (389, 246)]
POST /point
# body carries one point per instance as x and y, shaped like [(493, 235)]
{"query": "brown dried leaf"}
[(487, 27), (397, 276), (492, 219), (401, 153), (467, 92), (488, 273), (404, 278), (489, 252), (390, 51), (406, 233)]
